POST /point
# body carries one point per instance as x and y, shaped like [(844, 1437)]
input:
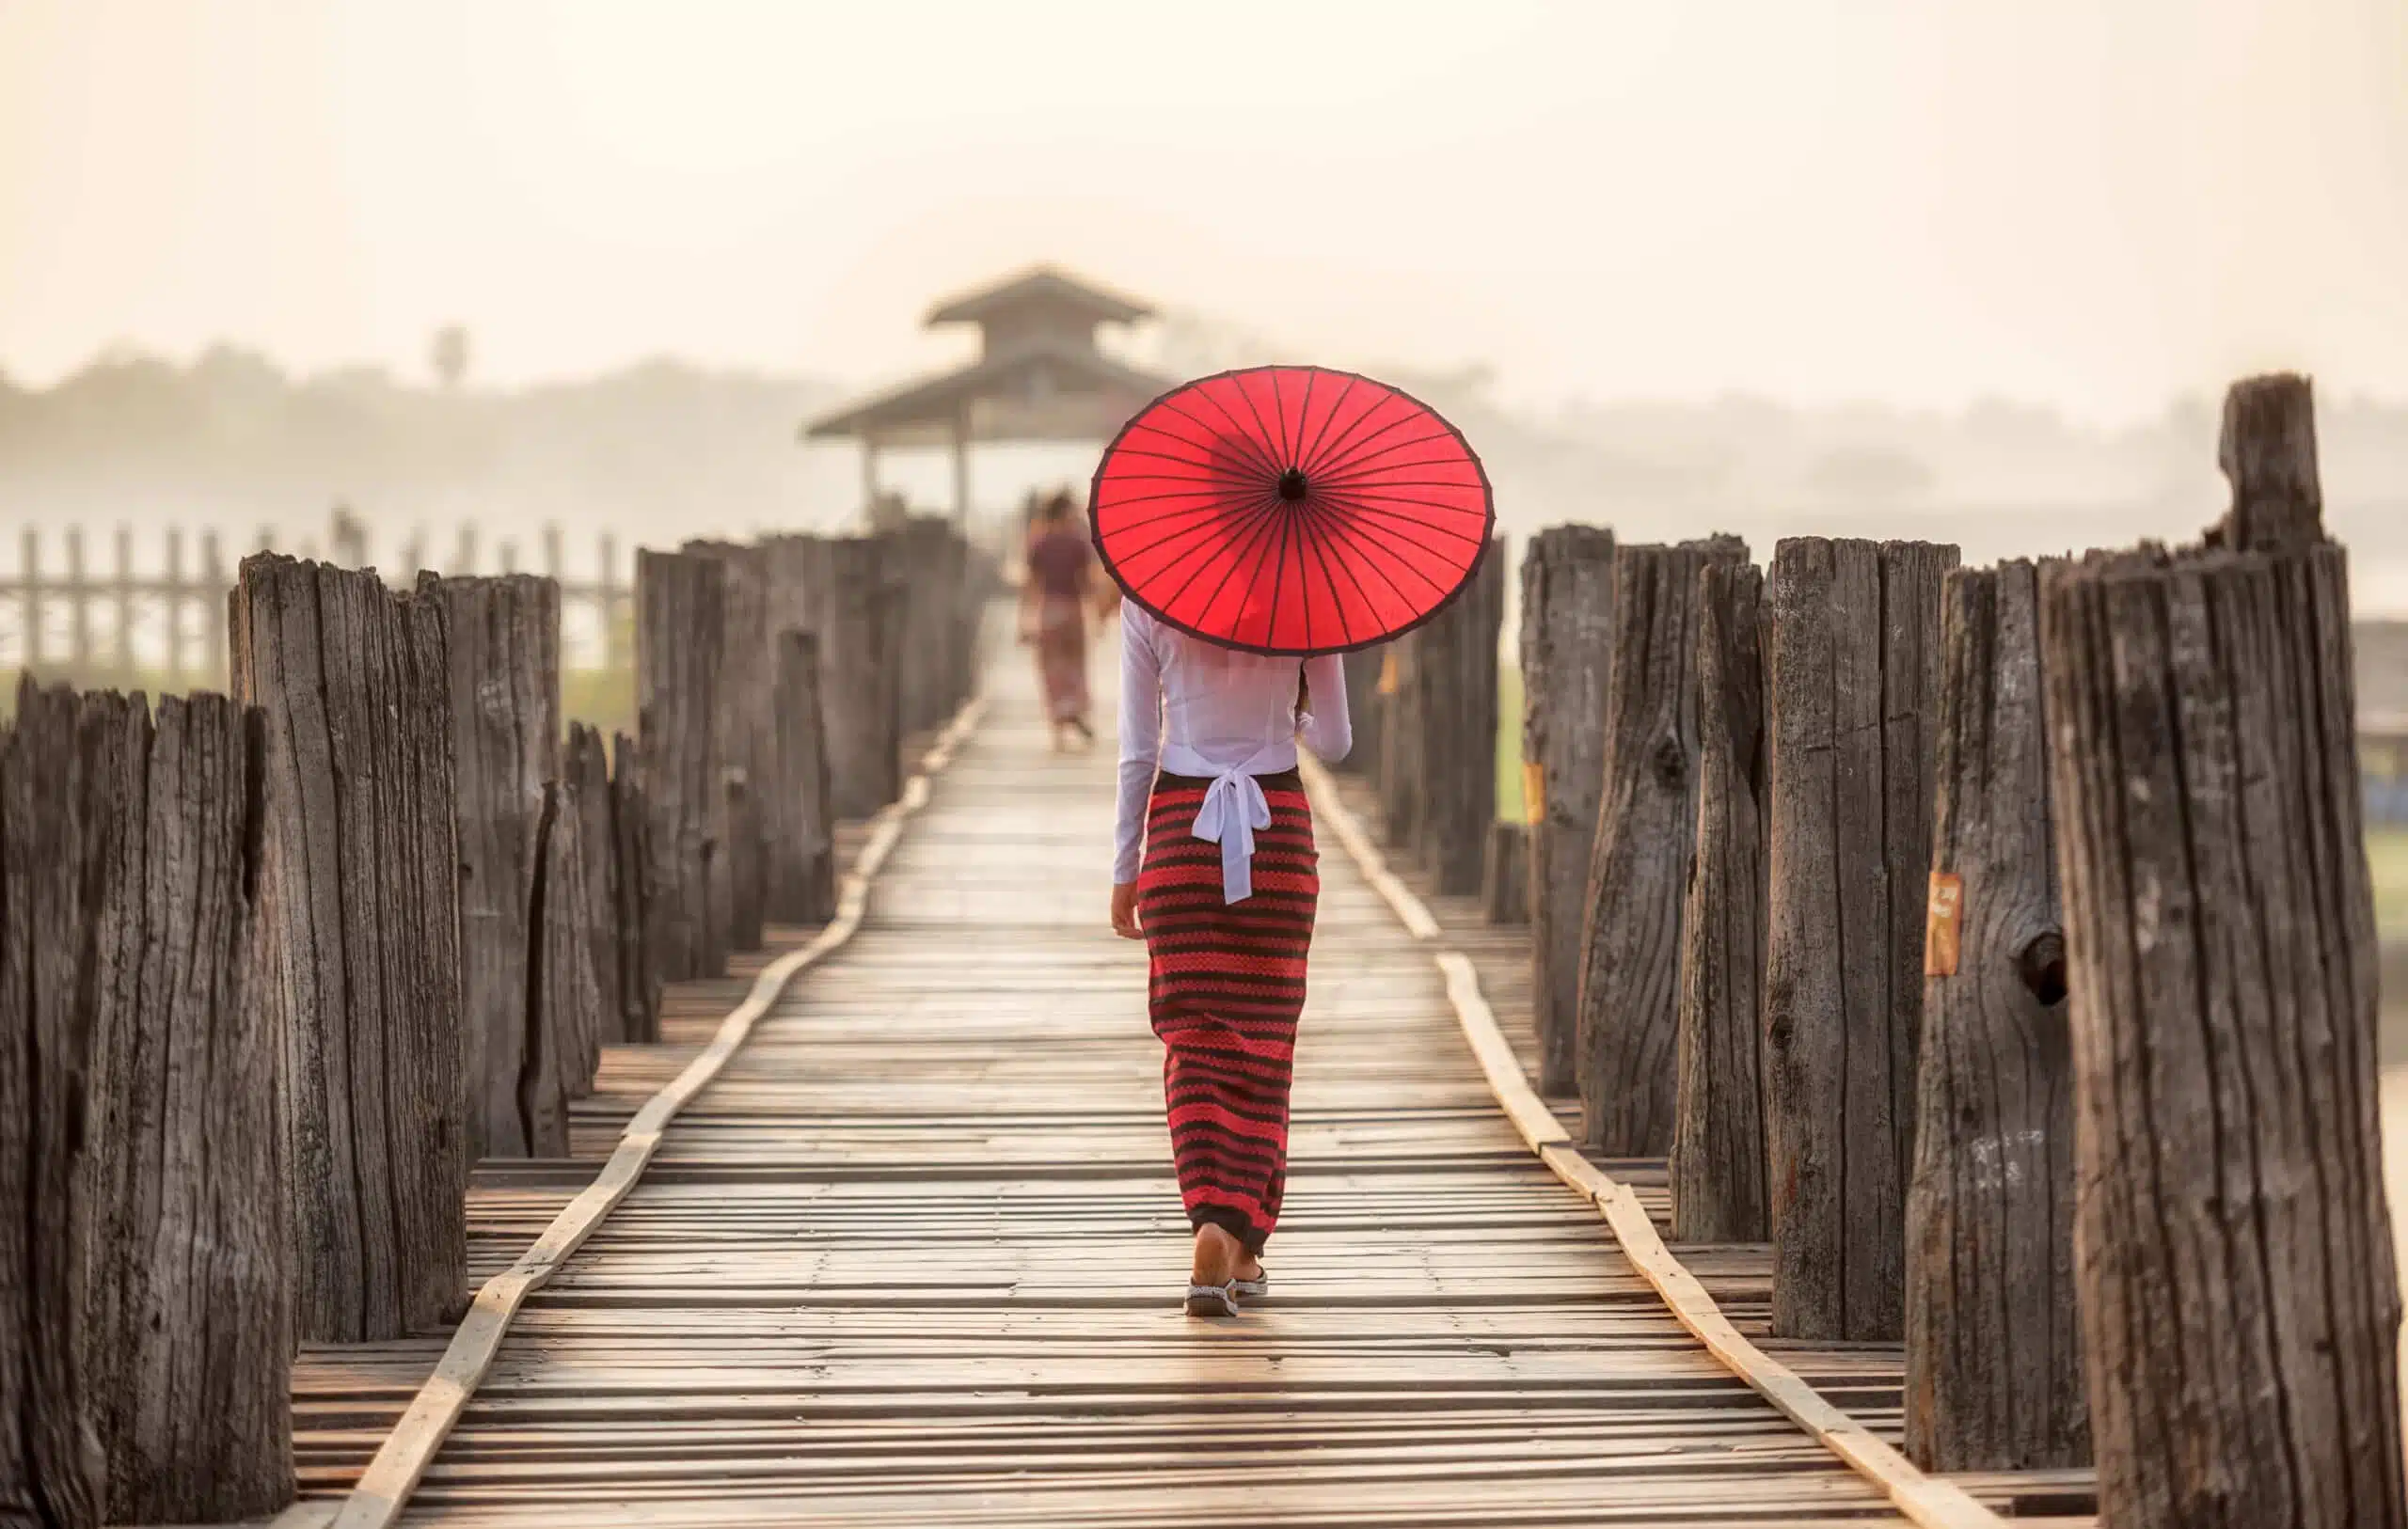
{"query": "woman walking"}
[(1262, 523), (1214, 868), (1053, 613)]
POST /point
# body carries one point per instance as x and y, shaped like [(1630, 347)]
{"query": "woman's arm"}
[(1327, 731), (1141, 721)]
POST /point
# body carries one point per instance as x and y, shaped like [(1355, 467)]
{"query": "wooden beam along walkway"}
[(913, 1256)]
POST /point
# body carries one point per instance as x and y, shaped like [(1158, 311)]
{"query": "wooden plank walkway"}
[(915, 1258)]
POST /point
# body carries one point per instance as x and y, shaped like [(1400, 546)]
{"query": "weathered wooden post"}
[(681, 629), (29, 594), (63, 784), (504, 635), (2240, 1308), (1567, 654), (1638, 863), (1401, 765), (359, 914), (585, 769), (744, 729), (189, 1335), (1364, 703), (1718, 1155), (858, 676), (1854, 660), (1505, 878), (802, 826), (923, 566), (1993, 1350), (632, 892), (563, 1044), (172, 599), (1458, 710), (79, 609)]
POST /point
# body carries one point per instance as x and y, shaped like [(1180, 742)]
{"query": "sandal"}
[(1255, 1288), (1213, 1300)]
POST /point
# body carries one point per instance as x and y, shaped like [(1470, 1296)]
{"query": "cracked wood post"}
[(681, 628), (1995, 1376), (1717, 1154), (189, 1342), (801, 827), (505, 697), (2240, 1307), (358, 912), (1567, 654), (744, 728), (858, 628), (1457, 675), (585, 769), (563, 1044), (1638, 861), (631, 894), (1853, 655), (64, 790)]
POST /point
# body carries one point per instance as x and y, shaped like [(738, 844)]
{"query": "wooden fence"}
[(1936, 921), (161, 619), (276, 969)]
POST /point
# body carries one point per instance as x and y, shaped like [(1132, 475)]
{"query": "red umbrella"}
[(1291, 509)]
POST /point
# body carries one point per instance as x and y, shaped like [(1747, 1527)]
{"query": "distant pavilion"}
[(1038, 377)]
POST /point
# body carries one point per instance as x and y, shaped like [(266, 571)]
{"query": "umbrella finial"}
[(1291, 484)]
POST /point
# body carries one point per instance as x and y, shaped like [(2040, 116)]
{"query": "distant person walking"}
[(1055, 602)]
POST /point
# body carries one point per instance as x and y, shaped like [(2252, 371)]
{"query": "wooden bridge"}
[(913, 1256), (614, 1161)]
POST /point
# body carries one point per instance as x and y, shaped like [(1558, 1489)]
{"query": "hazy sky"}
[(2091, 202)]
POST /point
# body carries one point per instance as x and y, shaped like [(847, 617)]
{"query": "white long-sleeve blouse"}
[(1193, 709)]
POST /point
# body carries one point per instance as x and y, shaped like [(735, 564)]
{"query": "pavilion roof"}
[(1043, 285), (1046, 391)]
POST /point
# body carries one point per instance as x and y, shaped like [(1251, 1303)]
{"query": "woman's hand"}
[(1124, 911)]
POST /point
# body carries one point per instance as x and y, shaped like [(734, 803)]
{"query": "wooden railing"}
[(1933, 922), (288, 963)]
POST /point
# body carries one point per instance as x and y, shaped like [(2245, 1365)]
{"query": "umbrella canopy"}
[(1291, 509)]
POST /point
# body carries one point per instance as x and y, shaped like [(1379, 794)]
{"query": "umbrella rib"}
[(1224, 512), (1217, 507), (1200, 451), (1321, 434), (1250, 456), (1358, 451), (1309, 530), (1364, 507), (1167, 494), (1262, 523), (1321, 450), (1362, 471), (1255, 450), (1304, 410), (1279, 575), (1259, 425), (1364, 545)]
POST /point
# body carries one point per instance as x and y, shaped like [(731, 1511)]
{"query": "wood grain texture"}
[(1921, 1499), (1567, 663), (1994, 1378), (384, 1488), (631, 891), (1638, 862), (189, 1335), (358, 924), (563, 1050), (1718, 1151), (801, 821), (504, 644), (860, 690), (681, 631), (1854, 693), (1364, 703), (585, 769), (2239, 1300), (68, 780), (745, 731), (1456, 674)]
